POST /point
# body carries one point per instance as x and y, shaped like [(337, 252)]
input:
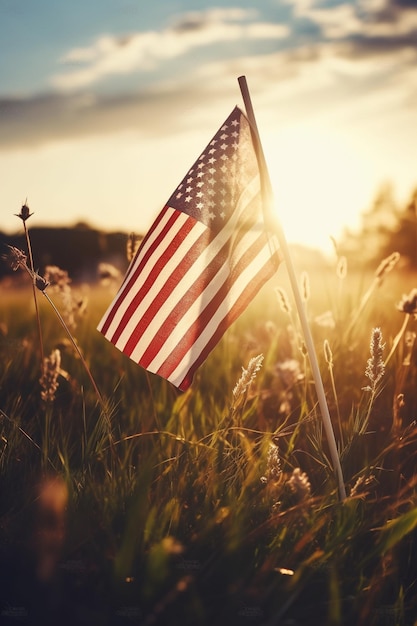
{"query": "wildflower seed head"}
[(248, 375), (387, 265), (49, 379), (375, 368), (57, 277), (273, 469), (283, 300), (300, 484), (328, 354), (25, 213), (362, 485), (15, 258), (408, 303), (132, 246)]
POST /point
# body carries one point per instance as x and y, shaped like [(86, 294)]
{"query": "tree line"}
[(385, 227)]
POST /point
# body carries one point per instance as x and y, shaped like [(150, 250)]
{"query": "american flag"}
[(203, 260)]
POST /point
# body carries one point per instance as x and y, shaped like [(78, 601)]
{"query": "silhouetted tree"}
[(385, 228), (404, 236)]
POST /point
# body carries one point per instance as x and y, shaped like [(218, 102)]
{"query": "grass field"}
[(124, 501)]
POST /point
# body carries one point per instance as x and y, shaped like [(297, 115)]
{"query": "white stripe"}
[(192, 314), (232, 297), (132, 267), (144, 247), (121, 294), (182, 287), (189, 317), (161, 279), (247, 195), (210, 252), (127, 297)]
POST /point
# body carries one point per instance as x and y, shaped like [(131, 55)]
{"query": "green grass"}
[(156, 507)]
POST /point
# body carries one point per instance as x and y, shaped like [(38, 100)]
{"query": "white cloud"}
[(110, 55)]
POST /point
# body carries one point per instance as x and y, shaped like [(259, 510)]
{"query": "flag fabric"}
[(203, 260)]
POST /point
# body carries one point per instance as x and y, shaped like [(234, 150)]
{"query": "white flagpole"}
[(273, 218)]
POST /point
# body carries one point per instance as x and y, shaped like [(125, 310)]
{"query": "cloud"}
[(197, 20), (51, 117), (390, 21), (348, 77), (142, 51), (343, 71)]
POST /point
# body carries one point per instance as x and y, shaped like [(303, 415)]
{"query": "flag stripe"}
[(206, 255), (178, 290), (155, 280), (146, 242), (227, 304), (183, 325), (156, 235), (248, 293), (185, 287), (148, 257)]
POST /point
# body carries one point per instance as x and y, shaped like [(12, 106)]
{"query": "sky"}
[(105, 105)]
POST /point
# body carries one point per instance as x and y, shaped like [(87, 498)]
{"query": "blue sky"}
[(104, 105)]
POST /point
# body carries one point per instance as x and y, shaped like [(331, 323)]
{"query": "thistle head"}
[(25, 213), (408, 303), (15, 258), (41, 282)]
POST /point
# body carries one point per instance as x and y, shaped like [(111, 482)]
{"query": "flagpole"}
[(275, 223)]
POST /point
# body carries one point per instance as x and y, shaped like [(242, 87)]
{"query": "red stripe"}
[(198, 247), (194, 291), (187, 341), (128, 284), (147, 281), (266, 272), (143, 242), (190, 296)]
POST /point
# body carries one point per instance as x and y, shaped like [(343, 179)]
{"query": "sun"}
[(320, 183)]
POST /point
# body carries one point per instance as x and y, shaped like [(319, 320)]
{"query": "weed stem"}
[(33, 275)]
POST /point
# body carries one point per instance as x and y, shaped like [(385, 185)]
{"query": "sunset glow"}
[(100, 125)]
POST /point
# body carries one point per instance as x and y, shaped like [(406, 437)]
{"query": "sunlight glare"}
[(320, 183)]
